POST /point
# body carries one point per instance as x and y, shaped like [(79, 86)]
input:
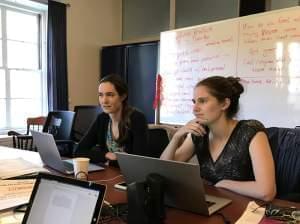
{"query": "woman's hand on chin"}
[(110, 156), (193, 127)]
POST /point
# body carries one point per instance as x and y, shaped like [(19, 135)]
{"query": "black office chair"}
[(285, 145), (85, 115), (59, 124), (158, 138)]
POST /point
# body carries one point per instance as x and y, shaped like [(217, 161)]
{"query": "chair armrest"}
[(12, 133)]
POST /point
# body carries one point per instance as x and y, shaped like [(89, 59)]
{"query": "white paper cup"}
[(81, 166)]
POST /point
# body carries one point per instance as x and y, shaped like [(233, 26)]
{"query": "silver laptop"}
[(49, 153), (184, 188)]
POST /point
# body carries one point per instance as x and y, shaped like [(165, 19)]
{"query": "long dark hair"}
[(122, 90), (222, 88)]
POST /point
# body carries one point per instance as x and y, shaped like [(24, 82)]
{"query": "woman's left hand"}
[(110, 156)]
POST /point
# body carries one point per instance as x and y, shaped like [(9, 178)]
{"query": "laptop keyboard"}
[(68, 165)]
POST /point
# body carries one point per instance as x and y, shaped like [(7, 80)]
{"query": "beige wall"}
[(91, 24)]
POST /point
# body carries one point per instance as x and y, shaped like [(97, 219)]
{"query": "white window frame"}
[(42, 16)]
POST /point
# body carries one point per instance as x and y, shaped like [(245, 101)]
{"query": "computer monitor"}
[(184, 187)]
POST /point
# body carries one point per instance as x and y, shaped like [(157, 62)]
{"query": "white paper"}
[(15, 192), (18, 167), (252, 215), (11, 218)]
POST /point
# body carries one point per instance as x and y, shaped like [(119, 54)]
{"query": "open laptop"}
[(63, 200), (49, 153), (184, 187)]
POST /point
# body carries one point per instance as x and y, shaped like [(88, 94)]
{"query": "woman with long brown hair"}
[(120, 128)]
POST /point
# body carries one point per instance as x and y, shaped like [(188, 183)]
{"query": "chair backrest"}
[(85, 115), (59, 124), (35, 123), (285, 145), (159, 138), (24, 141)]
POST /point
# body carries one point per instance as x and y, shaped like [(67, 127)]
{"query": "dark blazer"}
[(285, 145), (93, 144)]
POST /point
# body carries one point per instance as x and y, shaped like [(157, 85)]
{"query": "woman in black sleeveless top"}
[(232, 154)]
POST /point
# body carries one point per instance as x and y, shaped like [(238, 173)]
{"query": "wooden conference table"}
[(111, 175)]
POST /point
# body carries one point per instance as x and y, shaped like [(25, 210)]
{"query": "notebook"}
[(63, 200), (184, 187), (49, 153)]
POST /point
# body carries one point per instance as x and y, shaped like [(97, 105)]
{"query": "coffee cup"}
[(81, 166)]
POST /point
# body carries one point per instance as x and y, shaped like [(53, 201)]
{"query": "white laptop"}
[(62, 200), (49, 153), (184, 186)]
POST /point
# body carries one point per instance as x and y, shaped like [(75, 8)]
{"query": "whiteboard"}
[(262, 49)]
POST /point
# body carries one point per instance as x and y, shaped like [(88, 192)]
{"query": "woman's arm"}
[(185, 151), (264, 186)]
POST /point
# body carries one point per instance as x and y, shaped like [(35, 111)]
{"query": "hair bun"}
[(237, 87)]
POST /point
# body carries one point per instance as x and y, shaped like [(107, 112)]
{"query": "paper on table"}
[(17, 167), (252, 215), (15, 192), (11, 217)]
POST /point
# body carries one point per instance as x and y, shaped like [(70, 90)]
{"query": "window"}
[(22, 65)]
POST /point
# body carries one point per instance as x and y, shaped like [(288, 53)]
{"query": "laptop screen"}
[(63, 200)]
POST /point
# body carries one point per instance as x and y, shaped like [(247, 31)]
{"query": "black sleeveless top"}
[(234, 162)]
